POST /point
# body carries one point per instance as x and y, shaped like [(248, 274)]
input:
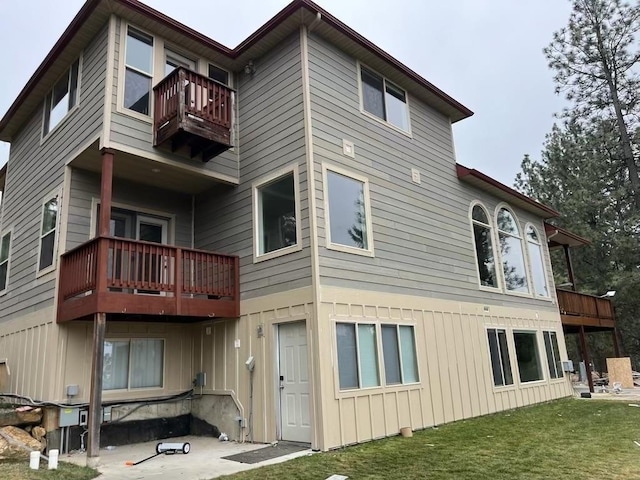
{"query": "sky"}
[(487, 54)]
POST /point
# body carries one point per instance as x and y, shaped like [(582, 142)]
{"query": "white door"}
[(294, 383)]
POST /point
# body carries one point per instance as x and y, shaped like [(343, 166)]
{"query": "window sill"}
[(347, 249), (277, 253), (4, 292), (533, 383), (380, 389), (406, 133), (63, 120), (137, 115), (504, 388), (484, 288), (46, 272)]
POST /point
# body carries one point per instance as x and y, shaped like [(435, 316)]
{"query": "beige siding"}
[(453, 361)]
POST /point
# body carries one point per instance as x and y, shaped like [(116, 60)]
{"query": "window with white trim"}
[(276, 214), (383, 99), (133, 363), (529, 367), (138, 73), (499, 353), (483, 242), (553, 354), (48, 233), (357, 355), (61, 99), (399, 354), (511, 253), (348, 222), (218, 74), (536, 261), (5, 251)]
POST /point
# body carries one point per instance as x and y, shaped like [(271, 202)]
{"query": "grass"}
[(565, 439), (12, 470)]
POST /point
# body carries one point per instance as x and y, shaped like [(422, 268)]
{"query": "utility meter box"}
[(567, 365), (69, 416)]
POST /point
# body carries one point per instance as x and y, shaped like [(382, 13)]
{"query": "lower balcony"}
[(132, 277), (586, 310)]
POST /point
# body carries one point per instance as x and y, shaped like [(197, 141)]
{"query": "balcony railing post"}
[(182, 99), (101, 267), (177, 287)]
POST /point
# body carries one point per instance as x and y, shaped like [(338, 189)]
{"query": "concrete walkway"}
[(202, 462)]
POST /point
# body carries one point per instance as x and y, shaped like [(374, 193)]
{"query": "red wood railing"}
[(185, 93), (114, 270), (580, 304)]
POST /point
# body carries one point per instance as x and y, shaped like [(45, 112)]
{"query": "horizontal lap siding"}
[(133, 132), (85, 186), (422, 235), (271, 137), (35, 169)]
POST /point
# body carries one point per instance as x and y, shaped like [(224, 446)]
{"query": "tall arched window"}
[(515, 274), (534, 247), (483, 241)]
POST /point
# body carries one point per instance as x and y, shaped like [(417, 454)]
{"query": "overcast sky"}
[(487, 54)]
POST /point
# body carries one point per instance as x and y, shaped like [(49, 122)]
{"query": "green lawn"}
[(565, 439), (10, 470)]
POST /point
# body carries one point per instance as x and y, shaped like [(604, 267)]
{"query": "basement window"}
[(528, 356), (553, 354), (133, 363), (499, 353)]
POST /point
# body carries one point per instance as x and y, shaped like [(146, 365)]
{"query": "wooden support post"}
[(95, 396), (567, 256), (105, 193), (177, 287), (585, 358), (616, 343)]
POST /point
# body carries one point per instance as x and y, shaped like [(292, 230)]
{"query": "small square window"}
[(383, 99), (218, 74)]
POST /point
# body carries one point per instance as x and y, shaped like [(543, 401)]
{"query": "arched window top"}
[(532, 234), (507, 222), (479, 214)]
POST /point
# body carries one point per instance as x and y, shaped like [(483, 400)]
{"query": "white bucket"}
[(53, 459), (34, 460)]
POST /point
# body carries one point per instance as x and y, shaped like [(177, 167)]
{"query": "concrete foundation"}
[(221, 411)]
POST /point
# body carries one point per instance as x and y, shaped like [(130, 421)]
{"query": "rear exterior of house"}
[(288, 235)]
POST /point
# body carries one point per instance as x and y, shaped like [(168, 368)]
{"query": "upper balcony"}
[(132, 277), (579, 309), (193, 111)]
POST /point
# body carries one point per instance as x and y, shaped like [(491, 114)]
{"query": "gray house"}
[(274, 240)]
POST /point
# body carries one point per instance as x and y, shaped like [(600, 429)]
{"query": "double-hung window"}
[(133, 363), (61, 99), (383, 99), (399, 354), (48, 233), (529, 367), (483, 241), (348, 217), (357, 355), (513, 266), (138, 71), (553, 354), (534, 247), (5, 249), (499, 352)]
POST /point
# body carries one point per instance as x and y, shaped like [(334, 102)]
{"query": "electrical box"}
[(69, 416), (567, 365), (84, 418), (72, 390), (201, 379), (106, 414)]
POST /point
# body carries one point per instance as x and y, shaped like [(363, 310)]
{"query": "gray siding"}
[(271, 137), (133, 132), (85, 186), (422, 234), (36, 168)]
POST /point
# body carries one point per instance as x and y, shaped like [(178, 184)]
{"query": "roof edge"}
[(463, 172), (554, 229)]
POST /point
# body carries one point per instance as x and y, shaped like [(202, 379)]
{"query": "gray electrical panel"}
[(69, 416)]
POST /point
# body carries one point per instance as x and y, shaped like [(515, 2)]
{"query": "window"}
[(553, 354), (538, 276), (5, 248), (134, 363), (173, 60), (357, 355), (62, 98), (528, 356), (48, 229), (483, 241), (515, 275), (399, 354), (138, 71), (384, 100), (348, 218), (499, 352), (277, 213), (218, 74)]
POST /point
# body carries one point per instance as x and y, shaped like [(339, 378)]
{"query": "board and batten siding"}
[(454, 368), (421, 232), (131, 131), (271, 138), (35, 169), (85, 188)]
